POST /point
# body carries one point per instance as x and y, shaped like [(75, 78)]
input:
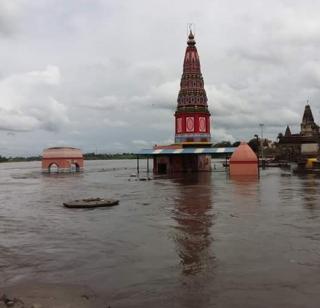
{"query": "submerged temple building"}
[(192, 121), (192, 150), (62, 159), (305, 144)]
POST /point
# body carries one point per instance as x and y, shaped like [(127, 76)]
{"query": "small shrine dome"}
[(244, 161), (62, 159), (243, 153)]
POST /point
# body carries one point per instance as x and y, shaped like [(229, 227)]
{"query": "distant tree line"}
[(268, 147), (226, 144), (94, 156), (4, 159), (86, 156)]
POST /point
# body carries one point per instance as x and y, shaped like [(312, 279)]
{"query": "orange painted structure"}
[(62, 159), (244, 161)]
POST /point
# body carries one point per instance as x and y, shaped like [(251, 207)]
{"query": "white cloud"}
[(221, 134)]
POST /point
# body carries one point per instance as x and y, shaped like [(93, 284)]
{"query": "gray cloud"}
[(116, 66), (9, 14), (26, 104)]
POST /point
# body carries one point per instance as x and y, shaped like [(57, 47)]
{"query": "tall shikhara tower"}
[(192, 117)]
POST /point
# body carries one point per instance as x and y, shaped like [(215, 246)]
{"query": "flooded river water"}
[(195, 240)]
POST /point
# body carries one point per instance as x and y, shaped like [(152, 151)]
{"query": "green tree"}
[(222, 144), (3, 159), (254, 145)]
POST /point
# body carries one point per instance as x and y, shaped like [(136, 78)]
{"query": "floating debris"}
[(285, 174), (91, 203), (15, 302)]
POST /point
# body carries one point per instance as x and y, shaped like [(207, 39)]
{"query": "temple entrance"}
[(162, 168), (53, 168), (190, 163)]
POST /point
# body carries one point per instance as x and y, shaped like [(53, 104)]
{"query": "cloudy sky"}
[(103, 75)]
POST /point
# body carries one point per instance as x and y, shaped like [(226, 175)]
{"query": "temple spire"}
[(308, 126), (307, 115), (192, 114), (192, 92), (288, 132)]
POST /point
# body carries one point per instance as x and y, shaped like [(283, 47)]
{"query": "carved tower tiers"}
[(192, 117), (308, 126)]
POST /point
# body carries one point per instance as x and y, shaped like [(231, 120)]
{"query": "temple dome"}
[(62, 152), (243, 154)]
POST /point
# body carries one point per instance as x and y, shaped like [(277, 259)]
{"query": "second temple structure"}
[(294, 147)]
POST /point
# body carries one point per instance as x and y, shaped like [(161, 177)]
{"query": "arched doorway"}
[(53, 168), (74, 167)]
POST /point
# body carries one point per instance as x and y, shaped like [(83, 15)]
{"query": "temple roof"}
[(243, 153), (307, 115), (288, 132), (184, 151), (62, 152), (309, 131), (192, 94)]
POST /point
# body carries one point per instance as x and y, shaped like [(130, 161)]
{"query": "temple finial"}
[(190, 28), (191, 40)]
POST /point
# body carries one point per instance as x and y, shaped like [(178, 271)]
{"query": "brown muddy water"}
[(195, 240)]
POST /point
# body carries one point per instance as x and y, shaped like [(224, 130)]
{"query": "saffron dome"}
[(243, 153)]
